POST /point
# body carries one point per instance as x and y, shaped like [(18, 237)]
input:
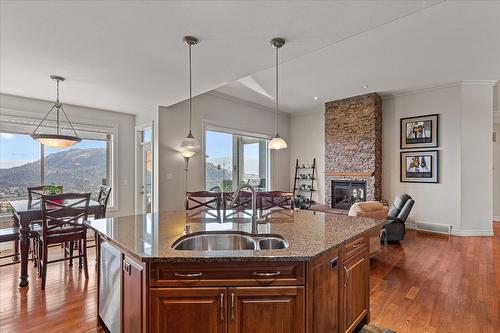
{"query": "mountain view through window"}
[(79, 168)]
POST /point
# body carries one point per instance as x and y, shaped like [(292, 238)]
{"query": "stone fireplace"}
[(353, 150), (346, 193)]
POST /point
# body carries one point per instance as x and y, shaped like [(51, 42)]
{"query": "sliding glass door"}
[(233, 159)]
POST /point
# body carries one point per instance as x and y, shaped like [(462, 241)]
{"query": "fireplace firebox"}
[(346, 193)]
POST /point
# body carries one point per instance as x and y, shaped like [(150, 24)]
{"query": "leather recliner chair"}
[(396, 217)]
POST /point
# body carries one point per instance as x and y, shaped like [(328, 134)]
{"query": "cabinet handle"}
[(221, 306), (266, 274), (232, 306), (334, 262), (188, 274), (126, 267), (357, 245), (346, 276)]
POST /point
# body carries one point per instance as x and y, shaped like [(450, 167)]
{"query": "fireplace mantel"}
[(349, 174)]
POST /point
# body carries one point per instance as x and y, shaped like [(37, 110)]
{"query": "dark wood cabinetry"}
[(327, 294), (323, 294), (355, 291), (266, 309), (188, 310), (132, 296)]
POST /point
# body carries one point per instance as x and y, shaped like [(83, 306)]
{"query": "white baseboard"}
[(472, 232), (429, 227), (496, 218), (446, 229)]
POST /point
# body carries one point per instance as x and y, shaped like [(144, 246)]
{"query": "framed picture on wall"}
[(420, 132), (420, 166)]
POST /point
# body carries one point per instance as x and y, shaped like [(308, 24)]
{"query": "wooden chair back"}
[(64, 214), (36, 192), (203, 199), (103, 198), (206, 201), (276, 199), (242, 203)]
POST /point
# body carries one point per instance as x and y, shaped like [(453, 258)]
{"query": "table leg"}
[(24, 236), (15, 223)]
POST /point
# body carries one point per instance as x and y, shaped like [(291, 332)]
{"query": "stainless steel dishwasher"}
[(110, 286)]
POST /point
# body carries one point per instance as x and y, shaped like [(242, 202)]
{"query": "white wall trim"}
[(464, 233), (420, 90), (426, 89), (454, 232), (479, 82), (244, 102), (496, 219)]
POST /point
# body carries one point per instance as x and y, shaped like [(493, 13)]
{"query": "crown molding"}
[(254, 105), (479, 82), (420, 90), (425, 89)]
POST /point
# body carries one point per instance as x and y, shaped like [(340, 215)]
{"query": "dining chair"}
[(103, 198), (275, 200), (10, 234), (36, 192), (242, 204), (205, 201), (63, 217)]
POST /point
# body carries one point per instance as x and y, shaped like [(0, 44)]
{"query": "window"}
[(79, 168), (235, 159)]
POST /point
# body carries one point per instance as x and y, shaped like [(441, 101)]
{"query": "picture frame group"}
[(419, 166)]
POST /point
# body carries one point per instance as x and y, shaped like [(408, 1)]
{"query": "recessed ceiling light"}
[(316, 97), (365, 86)]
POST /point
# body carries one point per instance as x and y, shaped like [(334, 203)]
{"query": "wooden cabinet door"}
[(266, 310), (132, 300), (355, 290), (323, 294), (187, 310)]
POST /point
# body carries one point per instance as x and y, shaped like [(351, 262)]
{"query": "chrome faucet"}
[(254, 204)]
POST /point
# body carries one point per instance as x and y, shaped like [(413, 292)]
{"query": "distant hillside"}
[(77, 169)]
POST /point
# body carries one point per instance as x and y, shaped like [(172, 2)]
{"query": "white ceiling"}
[(449, 42), (128, 56)]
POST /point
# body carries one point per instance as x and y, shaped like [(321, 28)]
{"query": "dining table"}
[(28, 211)]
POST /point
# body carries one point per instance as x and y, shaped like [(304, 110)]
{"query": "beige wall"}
[(445, 102), (222, 111), (462, 198), (308, 142), (464, 168), (124, 124)]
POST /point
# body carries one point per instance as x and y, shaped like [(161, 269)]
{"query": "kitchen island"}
[(315, 278)]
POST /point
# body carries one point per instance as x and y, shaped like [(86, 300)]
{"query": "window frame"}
[(209, 126), (23, 123)]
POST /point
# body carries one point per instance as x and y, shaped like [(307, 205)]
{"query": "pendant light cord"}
[(276, 132), (58, 106), (190, 89)]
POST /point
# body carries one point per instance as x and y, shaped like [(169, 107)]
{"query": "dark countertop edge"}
[(229, 259)]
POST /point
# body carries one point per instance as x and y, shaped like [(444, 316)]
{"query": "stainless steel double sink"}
[(229, 241)]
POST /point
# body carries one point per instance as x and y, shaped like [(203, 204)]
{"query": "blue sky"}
[(18, 149), (219, 145)]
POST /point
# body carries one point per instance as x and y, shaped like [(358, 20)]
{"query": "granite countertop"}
[(149, 237)]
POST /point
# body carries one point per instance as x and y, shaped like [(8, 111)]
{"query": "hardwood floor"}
[(69, 303), (432, 283), (428, 283)]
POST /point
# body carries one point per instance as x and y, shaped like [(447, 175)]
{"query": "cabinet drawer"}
[(356, 246), (227, 274)]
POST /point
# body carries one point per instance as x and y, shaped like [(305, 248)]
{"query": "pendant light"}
[(277, 142), (57, 140), (189, 142)]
